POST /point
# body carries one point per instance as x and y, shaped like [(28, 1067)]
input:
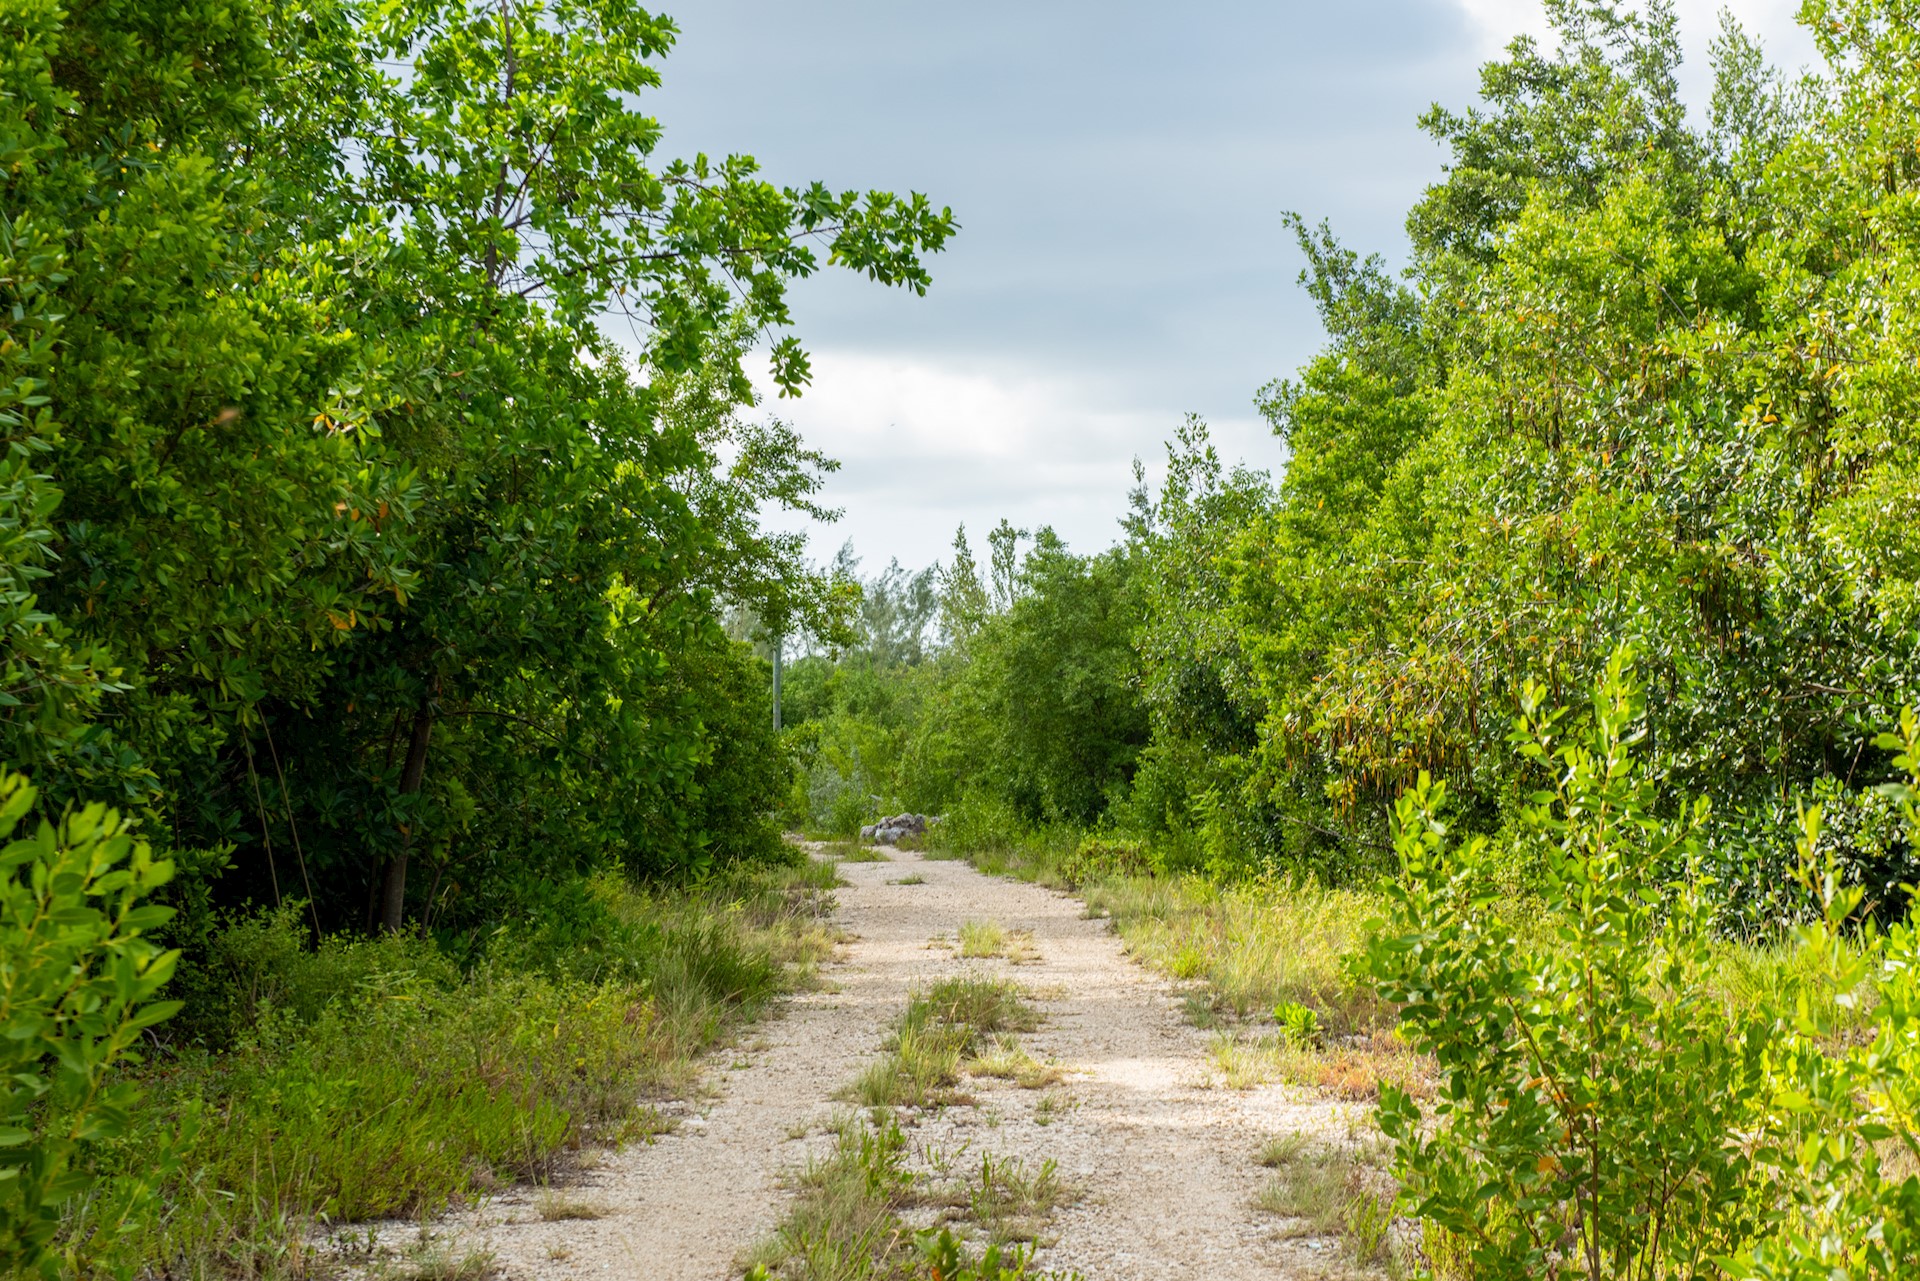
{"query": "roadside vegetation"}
[(1323, 1190), (372, 1079), (382, 659), (877, 1207), (1527, 760), (389, 773)]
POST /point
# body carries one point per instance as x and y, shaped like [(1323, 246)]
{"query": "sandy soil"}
[(1166, 1162)]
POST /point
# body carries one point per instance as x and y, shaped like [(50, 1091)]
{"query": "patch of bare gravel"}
[(1166, 1163)]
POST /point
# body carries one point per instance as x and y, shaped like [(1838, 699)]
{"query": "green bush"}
[(1610, 1105), (77, 978), (262, 965), (1099, 857), (1841, 1136), (978, 824), (1592, 1088)]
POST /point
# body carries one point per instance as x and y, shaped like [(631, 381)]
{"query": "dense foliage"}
[(341, 517), (1638, 419), (1647, 380), (379, 471), (380, 537)]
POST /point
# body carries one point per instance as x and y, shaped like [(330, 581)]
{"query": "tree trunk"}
[(393, 895)]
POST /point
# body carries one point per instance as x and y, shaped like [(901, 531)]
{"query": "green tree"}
[(963, 596), (1054, 675), (380, 530)]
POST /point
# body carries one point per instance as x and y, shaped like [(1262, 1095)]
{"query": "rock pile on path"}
[(891, 831)]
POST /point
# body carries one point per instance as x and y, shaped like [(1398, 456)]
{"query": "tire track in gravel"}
[(1166, 1163)]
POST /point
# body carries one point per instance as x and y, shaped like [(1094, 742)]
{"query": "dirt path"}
[(1166, 1162)]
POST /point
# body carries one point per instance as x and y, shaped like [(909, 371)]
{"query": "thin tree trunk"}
[(393, 896)]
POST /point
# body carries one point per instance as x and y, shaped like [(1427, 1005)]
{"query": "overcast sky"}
[(1119, 170)]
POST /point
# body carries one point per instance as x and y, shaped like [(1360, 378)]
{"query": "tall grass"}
[(942, 1025), (1256, 944), (373, 1079)]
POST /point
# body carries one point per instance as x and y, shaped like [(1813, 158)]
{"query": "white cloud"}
[(928, 445)]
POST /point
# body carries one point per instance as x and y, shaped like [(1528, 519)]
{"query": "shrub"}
[(1099, 857), (263, 964), (1592, 1088), (978, 823), (1839, 1140), (77, 978)]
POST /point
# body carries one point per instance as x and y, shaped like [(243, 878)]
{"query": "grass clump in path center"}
[(847, 1223), (942, 1026), (987, 939)]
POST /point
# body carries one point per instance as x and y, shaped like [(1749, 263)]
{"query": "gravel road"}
[(1166, 1161)]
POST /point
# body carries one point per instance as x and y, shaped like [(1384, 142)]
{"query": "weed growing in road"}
[(846, 1221), (983, 1005), (911, 878), (441, 1261), (1047, 1107), (1008, 1060), (554, 1206), (844, 1225), (1325, 1190), (983, 938), (991, 939), (920, 1068), (848, 852), (942, 1026), (1011, 1199)]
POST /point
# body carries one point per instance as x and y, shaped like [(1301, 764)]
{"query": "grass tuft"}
[(849, 853), (555, 1207), (983, 1005), (983, 938), (941, 1027), (845, 1222), (1330, 1191), (445, 1263), (991, 939), (1012, 1199), (1007, 1059)]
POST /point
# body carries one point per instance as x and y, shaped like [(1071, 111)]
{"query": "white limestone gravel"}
[(1165, 1162)]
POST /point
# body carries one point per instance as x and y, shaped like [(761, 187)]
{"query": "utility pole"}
[(779, 644)]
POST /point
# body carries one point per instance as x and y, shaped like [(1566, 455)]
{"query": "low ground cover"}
[(1322, 1189), (943, 1028), (1250, 951), (370, 1079), (849, 1218), (1575, 1078)]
